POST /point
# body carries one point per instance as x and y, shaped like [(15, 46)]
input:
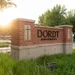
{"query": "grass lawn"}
[(66, 65)]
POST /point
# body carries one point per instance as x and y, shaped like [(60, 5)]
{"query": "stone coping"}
[(64, 26), (49, 27), (22, 19), (40, 45)]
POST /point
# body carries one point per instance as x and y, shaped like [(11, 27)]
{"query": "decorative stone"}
[(52, 66)]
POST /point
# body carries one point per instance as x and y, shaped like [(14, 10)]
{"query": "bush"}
[(4, 44)]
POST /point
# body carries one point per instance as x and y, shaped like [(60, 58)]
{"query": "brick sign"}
[(31, 41)]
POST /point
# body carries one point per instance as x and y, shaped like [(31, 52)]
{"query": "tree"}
[(41, 19), (53, 17), (70, 18), (58, 16), (6, 4), (72, 21)]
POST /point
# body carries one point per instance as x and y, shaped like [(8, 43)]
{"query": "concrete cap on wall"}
[(28, 20), (64, 26), (49, 27)]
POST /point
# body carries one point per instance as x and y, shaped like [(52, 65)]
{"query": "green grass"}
[(4, 44), (73, 50), (73, 41), (66, 65), (6, 64)]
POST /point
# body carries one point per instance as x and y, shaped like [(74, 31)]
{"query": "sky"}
[(32, 9)]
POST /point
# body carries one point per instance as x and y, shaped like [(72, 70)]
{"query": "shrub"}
[(4, 44)]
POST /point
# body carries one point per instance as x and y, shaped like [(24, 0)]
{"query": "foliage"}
[(66, 65), (30, 67), (38, 66), (73, 49), (54, 16), (4, 44), (70, 18), (6, 64), (5, 4), (58, 16)]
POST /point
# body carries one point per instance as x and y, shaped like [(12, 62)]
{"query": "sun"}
[(5, 19), (4, 22), (7, 16)]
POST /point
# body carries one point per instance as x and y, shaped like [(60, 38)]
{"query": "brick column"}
[(18, 36), (67, 38)]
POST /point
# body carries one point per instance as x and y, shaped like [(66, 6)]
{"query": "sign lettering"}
[(47, 34)]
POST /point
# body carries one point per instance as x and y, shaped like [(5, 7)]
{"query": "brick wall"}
[(53, 40), (18, 33)]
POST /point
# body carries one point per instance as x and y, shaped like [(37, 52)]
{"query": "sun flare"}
[(4, 22), (7, 16)]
